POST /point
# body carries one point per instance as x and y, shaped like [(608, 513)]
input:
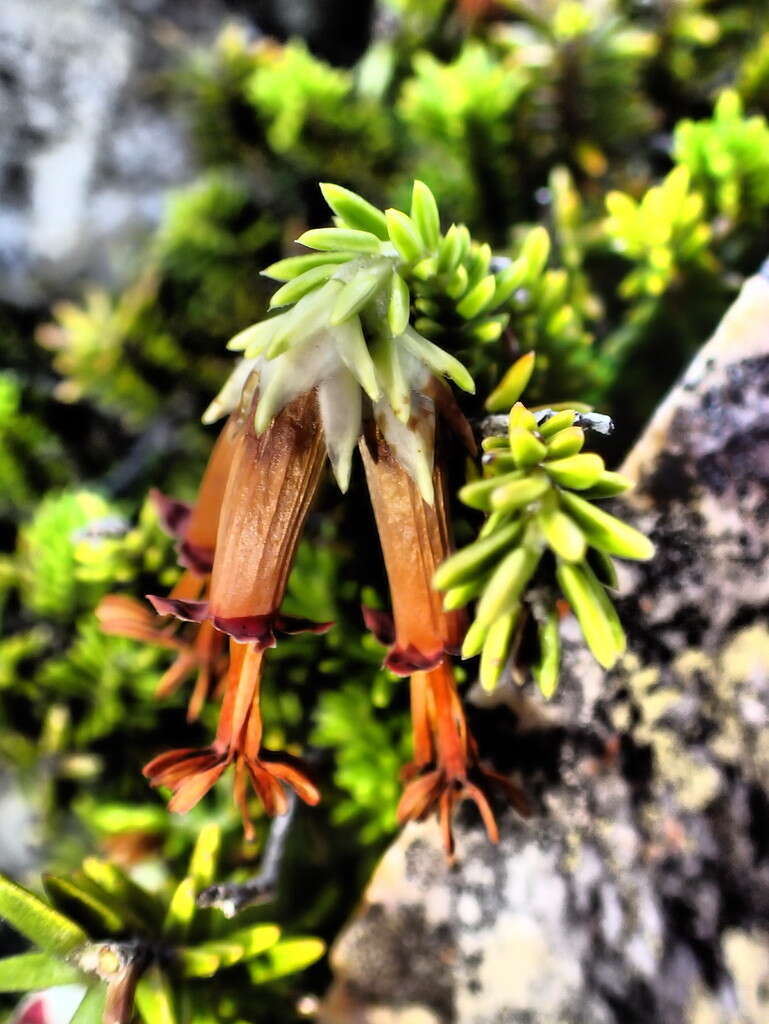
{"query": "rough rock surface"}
[(639, 892), (88, 147), (90, 143)]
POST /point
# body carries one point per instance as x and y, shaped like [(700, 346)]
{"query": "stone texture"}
[(639, 892), (90, 142), (88, 146)]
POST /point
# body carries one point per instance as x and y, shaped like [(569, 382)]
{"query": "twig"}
[(490, 426), (232, 897)]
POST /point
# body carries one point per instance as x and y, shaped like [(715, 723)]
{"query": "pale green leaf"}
[(507, 583), (424, 213), (473, 559), (605, 531), (91, 1009), (404, 235), (28, 972), (154, 999), (37, 921), (576, 471), (293, 266), (354, 210), (512, 385), (547, 666), (205, 856), (288, 957), (340, 239), (181, 909)]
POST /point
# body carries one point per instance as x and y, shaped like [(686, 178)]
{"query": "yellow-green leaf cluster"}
[(662, 233), (543, 535), (105, 931)]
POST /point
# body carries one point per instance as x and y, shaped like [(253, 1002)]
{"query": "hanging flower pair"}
[(344, 363), (339, 366)]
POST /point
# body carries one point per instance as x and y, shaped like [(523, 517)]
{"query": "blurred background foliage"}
[(632, 135)]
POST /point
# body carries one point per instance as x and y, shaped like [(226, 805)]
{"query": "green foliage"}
[(302, 102), (727, 158), (109, 551), (91, 345), (618, 196), (396, 281), (687, 32), (494, 118), (462, 114), (210, 247), (543, 535), (101, 675), (370, 750), (31, 456), (586, 63), (753, 78), (64, 685), (662, 234), (103, 930), (78, 545), (285, 111), (47, 562), (454, 102)]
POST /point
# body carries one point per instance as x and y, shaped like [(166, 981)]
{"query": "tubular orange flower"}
[(199, 649), (190, 773), (196, 526), (272, 481), (415, 538), (446, 764)]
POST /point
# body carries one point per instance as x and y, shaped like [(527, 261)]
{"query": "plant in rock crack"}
[(343, 364), (544, 539)]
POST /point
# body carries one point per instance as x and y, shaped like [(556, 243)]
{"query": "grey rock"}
[(88, 149), (639, 892), (19, 834)]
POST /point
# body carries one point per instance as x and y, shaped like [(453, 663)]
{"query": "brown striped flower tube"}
[(196, 526), (446, 768), (200, 649), (415, 537), (271, 484)]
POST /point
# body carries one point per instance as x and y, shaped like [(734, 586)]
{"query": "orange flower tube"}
[(415, 539), (271, 483), (199, 648), (449, 771), (190, 773), (199, 542), (196, 526), (270, 487)]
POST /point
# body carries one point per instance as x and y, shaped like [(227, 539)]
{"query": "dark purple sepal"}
[(174, 515), (261, 629), (248, 629), (190, 611), (196, 558), (380, 624), (405, 660), (291, 625)]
